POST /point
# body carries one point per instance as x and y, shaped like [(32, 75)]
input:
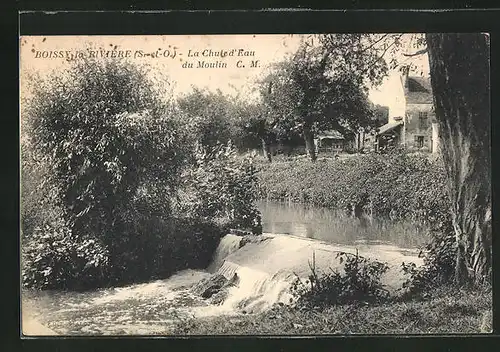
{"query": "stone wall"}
[(414, 132)]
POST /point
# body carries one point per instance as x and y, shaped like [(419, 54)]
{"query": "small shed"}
[(330, 141), (388, 135)]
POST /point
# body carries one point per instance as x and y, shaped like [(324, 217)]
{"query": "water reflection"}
[(336, 227)]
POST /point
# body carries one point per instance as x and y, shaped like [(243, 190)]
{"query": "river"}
[(336, 227), (265, 270)]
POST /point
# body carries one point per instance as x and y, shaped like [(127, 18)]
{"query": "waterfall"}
[(227, 245), (260, 274), (255, 290)]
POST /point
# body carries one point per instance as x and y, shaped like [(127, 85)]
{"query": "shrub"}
[(207, 116), (197, 237), (54, 257), (359, 282), (111, 151), (154, 247), (106, 133), (439, 256), (221, 185), (38, 195)]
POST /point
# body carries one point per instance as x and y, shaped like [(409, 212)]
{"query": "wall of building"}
[(397, 107), (435, 138), (413, 128)]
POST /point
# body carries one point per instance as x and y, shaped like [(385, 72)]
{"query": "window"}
[(419, 141), (423, 119)]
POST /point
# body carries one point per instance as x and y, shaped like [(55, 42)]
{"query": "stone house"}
[(412, 121)]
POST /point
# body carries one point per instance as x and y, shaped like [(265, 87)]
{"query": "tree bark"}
[(266, 149), (309, 139), (459, 67)]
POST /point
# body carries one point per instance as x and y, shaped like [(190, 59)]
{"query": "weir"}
[(266, 269), (259, 272), (227, 245)]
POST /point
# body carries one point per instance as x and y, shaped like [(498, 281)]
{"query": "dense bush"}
[(157, 248), (38, 196), (207, 116), (439, 256), (54, 257), (394, 185), (106, 133), (221, 185), (217, 118), (359, 282), (103, 146)]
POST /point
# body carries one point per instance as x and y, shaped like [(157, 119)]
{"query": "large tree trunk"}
[(309, 139), (266, 149), (459, 67)]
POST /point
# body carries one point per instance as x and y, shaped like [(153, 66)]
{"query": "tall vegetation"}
[(393, 186), (105, 155), (221, 185), (114, 158), (358, 281), (208, 116), (214, 118)]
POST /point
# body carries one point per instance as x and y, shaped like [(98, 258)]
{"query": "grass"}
[(443, 311)]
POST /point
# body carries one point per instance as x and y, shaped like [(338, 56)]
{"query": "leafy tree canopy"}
[(323, 85)]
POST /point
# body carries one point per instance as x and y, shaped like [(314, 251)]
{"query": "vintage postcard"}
[(278, 184)]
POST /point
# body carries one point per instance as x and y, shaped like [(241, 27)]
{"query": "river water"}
[(264, 270), (336, 227)]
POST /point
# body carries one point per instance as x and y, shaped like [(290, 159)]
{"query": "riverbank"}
[(398, 186), (443, 311)]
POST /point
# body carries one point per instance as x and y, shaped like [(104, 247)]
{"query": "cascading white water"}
[(264, 268), (227, 245), (255, 290)]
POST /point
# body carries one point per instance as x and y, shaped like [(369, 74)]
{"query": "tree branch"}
[(371, 64), (420, 52), (373, 44)]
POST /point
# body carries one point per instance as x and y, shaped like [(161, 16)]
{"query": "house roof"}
[(388, 127), (331, 134), (418, 90)]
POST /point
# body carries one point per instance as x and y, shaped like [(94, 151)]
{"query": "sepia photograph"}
[(255, 184)]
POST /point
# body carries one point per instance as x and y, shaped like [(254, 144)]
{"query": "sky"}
[(233, 74)]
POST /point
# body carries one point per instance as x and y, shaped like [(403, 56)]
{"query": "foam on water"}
[(255, 290), (266, 270), (227, 245), (167, 289)]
